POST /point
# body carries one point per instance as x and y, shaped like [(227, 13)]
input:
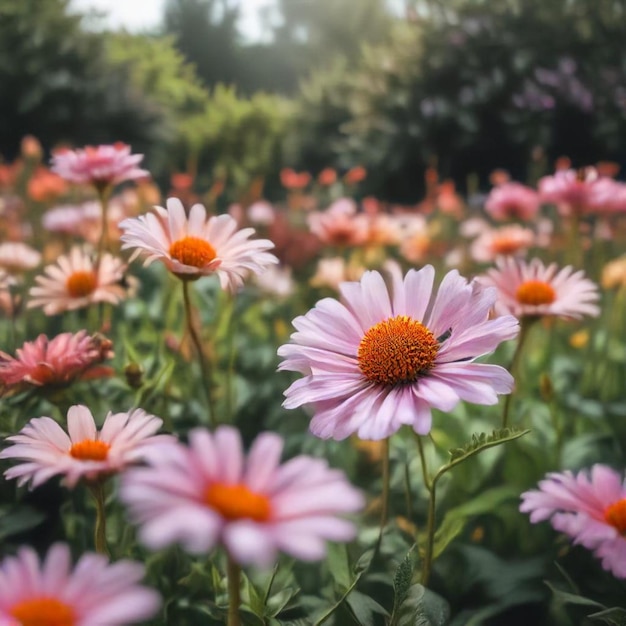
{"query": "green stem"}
[(430, 523), (103, 244), (234, 598), (525, 325), (100, 532), (384, 511), (204, 364)]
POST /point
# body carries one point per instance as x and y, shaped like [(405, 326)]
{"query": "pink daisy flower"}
[(574, 192), (47, 450), (512, 201), (55, 362), (74, 282), (378, 360), (197, 245), (52, 593), (100, 166), (530, 289), (340, 225), (590, 507), (17, 257), (210, 493), (505, 241)]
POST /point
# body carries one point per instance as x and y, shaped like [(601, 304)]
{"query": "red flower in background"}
[(290, 179)]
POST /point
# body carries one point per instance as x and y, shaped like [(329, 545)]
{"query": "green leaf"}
[(402, 582), (455, 519), (364, 608), (339, 565), (17, 519), (423, 607), (564, 597), (482, 441), (616, 616)]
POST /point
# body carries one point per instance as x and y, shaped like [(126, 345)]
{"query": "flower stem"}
[(100, 532), (525, 325), (103, 244), (430, 523), (384, 510), (204, 364), (234, 599)]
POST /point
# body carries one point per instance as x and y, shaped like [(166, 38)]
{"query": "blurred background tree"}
[(465, 85)]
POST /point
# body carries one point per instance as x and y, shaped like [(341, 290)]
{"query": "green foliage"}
[(57, 85), (482, 441)]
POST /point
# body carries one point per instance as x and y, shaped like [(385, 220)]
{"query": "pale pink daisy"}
[(100, 166), (531, 289), (378, 360), (331, 272), (504, 241), (340, 225), (74, 282), (512, 201), (16, 257), (574, 192), (55, 362), (197, 245), (51, 592), (47, 450), (210, 493), (590, 507)]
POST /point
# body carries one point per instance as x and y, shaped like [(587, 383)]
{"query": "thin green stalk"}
[(204, 364), (234, 594), (384, 510), (103, 243), (100, 533), (430, 522), (525, 325)]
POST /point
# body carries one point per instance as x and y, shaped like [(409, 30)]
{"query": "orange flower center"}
[(193, 251), (396, 351), (506, 246), (236, 502), (615, 515), (43, 612), (81, 284), (90, 450), (535, 292)]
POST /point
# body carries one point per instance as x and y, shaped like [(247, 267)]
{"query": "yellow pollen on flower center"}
[(615, 515), (235, 502), (81, 284), (43, 611), (193, 251), (90, 450), (535, 292), (396, 351)]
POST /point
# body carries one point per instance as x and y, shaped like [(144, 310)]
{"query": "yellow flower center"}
[(193, 251), (235, 502), (90, 450), (535, 292), (396, 351), (615, 515), (43, 611), (81, 284)]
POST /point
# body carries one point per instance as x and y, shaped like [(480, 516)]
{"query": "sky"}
[(140, 15)]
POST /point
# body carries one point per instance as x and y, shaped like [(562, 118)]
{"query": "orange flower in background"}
[(327, 177), (45, 186), (8, 174), (31, 148), (290, 179), (355, 175), (181, 181), (562, 163), (448, 200), (607, 168), (499, 177)]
